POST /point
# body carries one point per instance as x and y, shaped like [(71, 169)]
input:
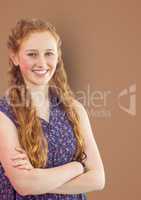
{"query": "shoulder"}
[(4, 104), (83, 117), (6, 113), (84, 122), (8, 120), (80, 110), (4, 108)]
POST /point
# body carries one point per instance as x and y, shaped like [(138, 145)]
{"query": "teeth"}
[(40, 71)]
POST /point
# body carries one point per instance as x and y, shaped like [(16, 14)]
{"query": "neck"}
[(39, 94)]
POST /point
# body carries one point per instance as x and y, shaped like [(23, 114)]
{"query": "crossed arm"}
[(70, 178), (94, 177), (86, 182)]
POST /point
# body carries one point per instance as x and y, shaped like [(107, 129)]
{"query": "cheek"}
[(25, 64), (52, 62)]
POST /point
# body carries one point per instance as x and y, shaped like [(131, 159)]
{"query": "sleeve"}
[(6, 109)]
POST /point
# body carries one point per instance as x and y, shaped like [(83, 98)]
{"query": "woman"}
[(47, 148)]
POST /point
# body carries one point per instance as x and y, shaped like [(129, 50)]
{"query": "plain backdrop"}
[(101, 51)]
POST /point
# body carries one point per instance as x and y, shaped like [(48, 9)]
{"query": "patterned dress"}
[(61, 149)]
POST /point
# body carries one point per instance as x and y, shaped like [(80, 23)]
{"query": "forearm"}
[(86, 182), (41, 181)]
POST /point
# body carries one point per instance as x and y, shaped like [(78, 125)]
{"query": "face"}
[(37, 58)]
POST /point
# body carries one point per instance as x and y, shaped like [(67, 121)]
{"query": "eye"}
[(32, 54), (48, 53)]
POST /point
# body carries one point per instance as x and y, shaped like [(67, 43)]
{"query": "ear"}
[(14, 58)]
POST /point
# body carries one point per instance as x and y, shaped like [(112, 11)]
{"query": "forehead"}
[(39, 40)]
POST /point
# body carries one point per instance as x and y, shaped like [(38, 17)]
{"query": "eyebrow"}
[(37, 50)]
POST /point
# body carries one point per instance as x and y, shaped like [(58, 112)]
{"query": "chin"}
[(41, 82), (38, 81)]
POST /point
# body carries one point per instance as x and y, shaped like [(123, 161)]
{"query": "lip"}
[(40, 69), (40, 72)]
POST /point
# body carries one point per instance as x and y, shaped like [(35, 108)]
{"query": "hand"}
[(21, 160)]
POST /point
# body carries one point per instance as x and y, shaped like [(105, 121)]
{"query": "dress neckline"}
[(50, 111)]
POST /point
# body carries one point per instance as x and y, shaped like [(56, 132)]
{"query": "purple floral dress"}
[(61, 149)]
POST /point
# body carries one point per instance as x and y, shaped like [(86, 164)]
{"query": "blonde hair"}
[(30, 132)]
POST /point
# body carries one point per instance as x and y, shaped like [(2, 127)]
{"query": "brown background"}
[(101, 41)]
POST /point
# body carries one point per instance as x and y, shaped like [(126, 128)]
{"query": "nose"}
[(42, 62)]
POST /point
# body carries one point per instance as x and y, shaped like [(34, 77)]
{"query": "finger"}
[(19, 156), (25, 166), (19, 162), (20, 150)]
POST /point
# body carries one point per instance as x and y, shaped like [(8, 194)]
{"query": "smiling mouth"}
[(40, 72)]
